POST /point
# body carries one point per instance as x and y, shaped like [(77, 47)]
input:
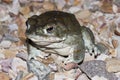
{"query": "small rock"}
[(97, 68), (15, 7), (118, 75), (83, 15), (48, 5), (23, 56), (107, 6), (113, 65), (88, 57), (13, 27), (115, 43), (12, 74), (74, 9), (3, 13), (7, 1), (4, 76), (39, 69), (92, 5), (60, 4), (83, 77), (12, 38), (117, 49), (70, 66), (67, 75), (18, 65), (2, 56), (98, 78), (53, 67), (117, 6), (117, 32), (33, 78), (9, 53), (25, 10), (24, 1), (30, 76), (5, 44), (5, 64), (102, 57)]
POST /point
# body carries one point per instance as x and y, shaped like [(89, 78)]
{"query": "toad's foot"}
[(93, 50), (39, 69)]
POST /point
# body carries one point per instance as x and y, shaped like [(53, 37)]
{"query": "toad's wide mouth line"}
[(46, 46), (41, 39)]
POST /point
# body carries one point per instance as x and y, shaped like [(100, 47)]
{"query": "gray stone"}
[(83, 77), (97, 68)]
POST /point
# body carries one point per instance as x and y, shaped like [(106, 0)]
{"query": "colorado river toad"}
[(59, 33), (56, 32)]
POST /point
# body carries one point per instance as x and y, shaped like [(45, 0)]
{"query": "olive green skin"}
[(66, 26)]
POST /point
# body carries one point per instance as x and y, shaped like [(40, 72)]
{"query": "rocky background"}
[(101, 16)]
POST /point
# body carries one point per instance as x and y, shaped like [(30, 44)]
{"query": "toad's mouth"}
[(47, 42)]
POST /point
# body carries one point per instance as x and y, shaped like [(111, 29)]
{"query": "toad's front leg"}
[(35, 66), (78, 54)]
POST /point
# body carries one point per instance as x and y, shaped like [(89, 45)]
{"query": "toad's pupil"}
[(49, 29)]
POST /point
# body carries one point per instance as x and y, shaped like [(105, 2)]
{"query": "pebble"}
[(5, 44), (2, 56), (96, 68), (53, 66), (18, 65), (98, 78), (13, 27), (88, 57), (4, 76), (11, 38), (30, 76), (107, 6), (83, 77), (113, 65), (70, 66), (48, 5), (24, 1), (118, 75), (5, 64), (60, 4), (23, 56), (10, 53), (117, 6), (115, 43), (25, 10), (7, 1), (67, 75), (84, 15), (12, 74), (15, 7), (3, 13), (102, 57), (74, 9), (117, 49)]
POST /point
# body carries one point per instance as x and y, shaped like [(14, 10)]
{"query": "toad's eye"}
[(50, 29)]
